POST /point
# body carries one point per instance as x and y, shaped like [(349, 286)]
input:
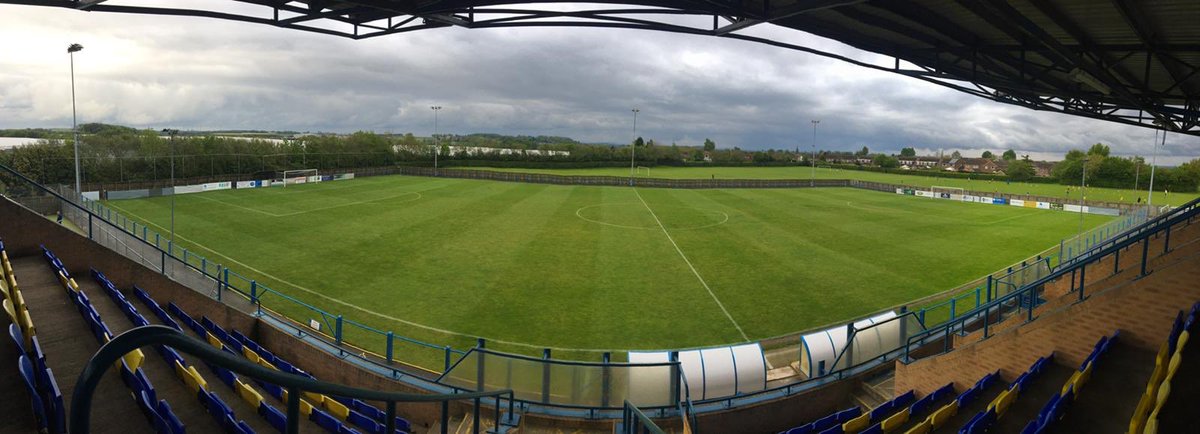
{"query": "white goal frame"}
[(938, 189), (298, 176), (639, 171)]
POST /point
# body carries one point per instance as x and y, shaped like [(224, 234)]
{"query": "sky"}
[(201, 73)]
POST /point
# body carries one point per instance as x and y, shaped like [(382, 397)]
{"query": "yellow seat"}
[(1002, 402), (857, 424), (1070, 382), (194, 382), (939, 417), (337, 409), (314, 398), (248, 394), (1173, 367), (921, 428), (1084, 376), (62, 278), (133, 359), (895, 421), (27, 328), (12, 314), (305, 408), (212, 340), (1138, 422), (71, 283), (1182, 341), (267, 364), (250, 354)]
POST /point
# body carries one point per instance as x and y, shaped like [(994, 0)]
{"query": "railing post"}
[(447, 368), (145, 232), (989, 288), (226, 276), (1145, 253), (1082, 279), (1117, 261), (390, 336), (1167, 240), (673, 357), (1032, 302), (156, 236), (90, 226), (390, 424), (953, 302), (293, 411), (254, 292), (337, 331), (545, 376), (605, 379)]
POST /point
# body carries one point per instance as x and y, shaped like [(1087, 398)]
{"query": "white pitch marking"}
[(693, 268)]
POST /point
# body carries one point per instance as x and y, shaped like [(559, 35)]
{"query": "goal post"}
[(952, 193), (300, 176), (640, 169)]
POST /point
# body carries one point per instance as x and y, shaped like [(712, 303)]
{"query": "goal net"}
[(300, 176), (643, 169), (952, 193)]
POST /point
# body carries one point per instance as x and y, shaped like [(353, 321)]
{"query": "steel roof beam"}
[(1136, 20)]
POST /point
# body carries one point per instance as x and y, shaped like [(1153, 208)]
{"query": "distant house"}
[(920, 162), (973, 165), (1041, 169), (863, 160)]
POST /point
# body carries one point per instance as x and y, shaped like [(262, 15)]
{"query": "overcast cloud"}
[(196, 73)]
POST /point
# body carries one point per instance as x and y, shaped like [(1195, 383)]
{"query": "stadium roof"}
[(1128, 61)]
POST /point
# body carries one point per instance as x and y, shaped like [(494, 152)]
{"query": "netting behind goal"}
[(952, 193), (300, 176)]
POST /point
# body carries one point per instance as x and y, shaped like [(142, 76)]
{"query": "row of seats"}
[(195, 382), (1056, 407), (1166, 368), (335, 414), (940, 417), (988, 417), (157, 411), (45, 398), (886, 417)]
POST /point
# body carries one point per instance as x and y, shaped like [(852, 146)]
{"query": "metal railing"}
[(1025, 299), (144, 336), (139, 243)]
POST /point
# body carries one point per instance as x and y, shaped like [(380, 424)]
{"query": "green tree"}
[(1009, 155), (956, 154), (988, 154), (863, 152), (886, 161), (1020, 170), (1099, 149), (710, 145), (638, 143), (908, 152)]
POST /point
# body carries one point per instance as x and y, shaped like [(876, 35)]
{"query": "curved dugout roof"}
[(1128, 61)]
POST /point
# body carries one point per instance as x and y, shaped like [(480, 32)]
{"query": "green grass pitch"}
[(801, 172), (579, 268)]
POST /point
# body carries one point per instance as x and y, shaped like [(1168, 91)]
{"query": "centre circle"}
[(635, 215)]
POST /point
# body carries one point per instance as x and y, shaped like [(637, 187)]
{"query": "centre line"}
[(693, 268)]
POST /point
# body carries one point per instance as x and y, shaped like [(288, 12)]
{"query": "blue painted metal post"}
[(545, 376), (203, 265), (90, 226), (1060, 251), (673, 357), (1145, 253), (989, 288), (226, 276), (145, 232), (1032, 302), (171, 248), (254, 292), (447, 365), (953, 302), (337, 330), (1167, 241), (156, 243), (185, 258), (1082, 279), (390, 337), (977, 290)]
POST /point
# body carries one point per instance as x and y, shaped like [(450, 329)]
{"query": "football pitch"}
[(583, 269)]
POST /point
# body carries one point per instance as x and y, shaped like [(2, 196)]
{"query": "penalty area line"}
[(690, 266)]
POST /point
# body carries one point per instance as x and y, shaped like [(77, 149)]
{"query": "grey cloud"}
[(203, 73)]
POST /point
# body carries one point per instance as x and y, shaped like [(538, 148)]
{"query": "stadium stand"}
[(1042, 375)]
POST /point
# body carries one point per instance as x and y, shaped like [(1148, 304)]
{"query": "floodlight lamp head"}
[(74, 47)]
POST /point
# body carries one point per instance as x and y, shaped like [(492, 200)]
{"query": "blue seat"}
[(274, 417), (242, 428), (802, 429), (146, 403), (175, 310), (943, 392), (84, 301), (883, 410), (56, 411), (143, 384), (836, 429), (1032, 428), (324, 420), (1046, 414), (284, 366), (980, 423), (18, 338), (905, 399), (216, 407), (35, 400), (173, 423), (343, 429), (271, 389), (139, 321), (39, 357), (825, 423), (238, 336), (920, 405), (847, 414), (170, 355), (371, 426), (226, 376), (367, 410)]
